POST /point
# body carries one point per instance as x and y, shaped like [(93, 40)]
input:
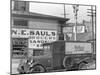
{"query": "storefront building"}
[(30, 30)]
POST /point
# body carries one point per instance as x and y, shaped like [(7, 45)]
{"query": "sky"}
[(58, 10)]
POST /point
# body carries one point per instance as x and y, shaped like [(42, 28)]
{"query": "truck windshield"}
[(44, 52), (38, 52), (47, 50)]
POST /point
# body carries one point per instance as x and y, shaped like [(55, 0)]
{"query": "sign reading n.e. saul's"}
[(22, 33), (36, 37)]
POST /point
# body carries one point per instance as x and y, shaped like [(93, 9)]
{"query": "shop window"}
[(19, 47), (20, 22), (19, 5), (38, 52)]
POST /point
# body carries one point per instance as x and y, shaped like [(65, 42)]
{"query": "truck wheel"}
[(21, 70), (82, 66), (38, 68), (91, 65)]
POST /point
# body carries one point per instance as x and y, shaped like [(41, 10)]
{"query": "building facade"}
[(31, 30)]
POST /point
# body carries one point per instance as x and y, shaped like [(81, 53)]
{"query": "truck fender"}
[(37, 64), (67, 62), (85, 60)]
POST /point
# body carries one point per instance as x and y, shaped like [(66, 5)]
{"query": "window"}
[(42, 52), (19, 5), (38, 52), (19, 47), (47, 47), (47, 50), (20, 22)]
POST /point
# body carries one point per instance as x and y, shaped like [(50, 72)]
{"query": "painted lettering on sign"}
[(36, 37), (79, 48), (31, 32)]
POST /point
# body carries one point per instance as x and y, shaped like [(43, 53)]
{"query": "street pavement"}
[(15, 63)]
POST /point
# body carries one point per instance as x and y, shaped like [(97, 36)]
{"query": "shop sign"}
[(77, 48), (40, 37), (36, 37), (67, 29), (32, 32), (21, 33), (37, 41), (80, 29)]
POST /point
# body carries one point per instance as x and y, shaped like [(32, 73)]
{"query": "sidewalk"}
[(15, 63)]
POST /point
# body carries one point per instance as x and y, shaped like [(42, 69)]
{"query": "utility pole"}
[(75, 7), (92, 14), (64, 13)]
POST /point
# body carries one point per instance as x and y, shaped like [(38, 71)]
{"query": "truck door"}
[(47, 55), (58, 55)]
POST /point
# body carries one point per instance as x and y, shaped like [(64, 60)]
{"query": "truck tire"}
[(82, 66), (90, 65), (38, 69), (21, 70)]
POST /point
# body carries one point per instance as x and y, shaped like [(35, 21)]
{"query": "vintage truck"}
[(60, 56)]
